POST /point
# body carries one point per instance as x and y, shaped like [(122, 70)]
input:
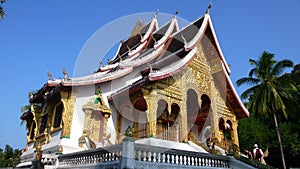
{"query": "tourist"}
[(258, 153), (248, 154)]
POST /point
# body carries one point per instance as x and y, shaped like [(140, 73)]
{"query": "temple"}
[(166, 87)]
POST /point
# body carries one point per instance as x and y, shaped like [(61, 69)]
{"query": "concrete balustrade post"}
[(128, 161)]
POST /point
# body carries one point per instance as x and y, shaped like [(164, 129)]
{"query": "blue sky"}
[(40, 36)]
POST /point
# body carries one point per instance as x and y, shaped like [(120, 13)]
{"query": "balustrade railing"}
[(144, 153), (99, 155), (166, 132), (140, 133)]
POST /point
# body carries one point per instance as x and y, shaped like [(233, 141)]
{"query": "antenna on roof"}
[(208, 8)]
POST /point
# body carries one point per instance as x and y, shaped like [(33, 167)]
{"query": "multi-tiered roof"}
[(158, 53)]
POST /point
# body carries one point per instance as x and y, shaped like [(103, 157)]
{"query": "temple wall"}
[(84, 95)]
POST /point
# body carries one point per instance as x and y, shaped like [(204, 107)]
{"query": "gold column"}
[(106, 116), (184, 128), (88, 114), (235, 133), (37, 119), (68, 99), (151, 114), (118, 126)]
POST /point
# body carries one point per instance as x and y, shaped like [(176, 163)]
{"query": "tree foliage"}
[(2, 13), (260, 129), (9, 157)]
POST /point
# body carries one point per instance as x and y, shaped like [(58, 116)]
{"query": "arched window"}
[(140, 118), (162, 110), (205, 104), (32, 131), (192, 106), (58, 115), (43, 123)]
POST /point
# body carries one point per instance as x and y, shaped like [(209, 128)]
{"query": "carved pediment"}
[(97, 104)]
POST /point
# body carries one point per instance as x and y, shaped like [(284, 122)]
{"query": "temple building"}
[(168, 86)]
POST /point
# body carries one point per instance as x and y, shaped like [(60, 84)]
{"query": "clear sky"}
[(40, 36)]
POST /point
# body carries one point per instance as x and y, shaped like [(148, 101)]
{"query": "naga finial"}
[(183, 38), (154, 39), (66, 74), (50, 75), (119, 56)]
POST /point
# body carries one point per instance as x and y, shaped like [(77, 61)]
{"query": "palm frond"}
[(2, 13), (249, 92), (247, 80), (280, 66), (2, 1)]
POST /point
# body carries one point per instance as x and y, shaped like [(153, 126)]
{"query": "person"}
[(248, 154), (258, 153), (210, 142)]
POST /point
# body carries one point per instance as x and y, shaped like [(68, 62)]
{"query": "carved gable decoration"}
[(97, 103)]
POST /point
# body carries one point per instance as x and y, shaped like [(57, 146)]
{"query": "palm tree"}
[(2, 13), (268, 89)]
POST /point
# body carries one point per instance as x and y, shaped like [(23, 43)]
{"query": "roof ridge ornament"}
[(119, 56), (101, 63), (66, 74), (108, 61), (150, 68), (140, 35), (128, 48), (176, 13), (209, 6), (183, 38), (154, 39), (50, 76), (156, 13)]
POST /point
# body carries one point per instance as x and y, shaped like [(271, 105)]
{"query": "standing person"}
[(258, 153), (248, 154)]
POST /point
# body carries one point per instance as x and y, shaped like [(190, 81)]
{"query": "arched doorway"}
[(174, 123), (168, 123), (162, 123), (197, 115), (225, 129), (140, 118)]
